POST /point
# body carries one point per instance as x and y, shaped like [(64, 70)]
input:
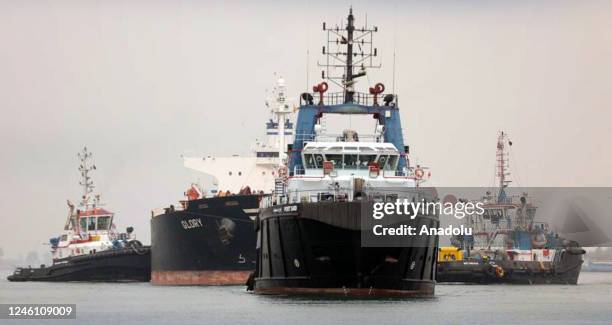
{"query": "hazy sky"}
[(141, 82)]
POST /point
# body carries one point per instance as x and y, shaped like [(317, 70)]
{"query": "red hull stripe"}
[(199, 277)]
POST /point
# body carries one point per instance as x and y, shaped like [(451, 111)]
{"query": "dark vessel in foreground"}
[(309, 237), (89, 249), (209, 238), (508, 245)]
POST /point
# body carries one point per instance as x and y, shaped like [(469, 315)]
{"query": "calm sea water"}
[(590, 302)]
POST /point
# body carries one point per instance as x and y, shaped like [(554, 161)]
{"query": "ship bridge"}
[(386, 115), (349, 157)]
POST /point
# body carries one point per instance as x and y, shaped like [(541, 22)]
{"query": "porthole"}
[(230, 173), (239, 173)]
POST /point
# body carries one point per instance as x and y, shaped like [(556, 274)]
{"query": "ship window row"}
[(351, 161), (348, 148), (267, 154), (95, 223)]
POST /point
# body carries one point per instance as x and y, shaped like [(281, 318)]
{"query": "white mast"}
[(233, 173), (281, 109)]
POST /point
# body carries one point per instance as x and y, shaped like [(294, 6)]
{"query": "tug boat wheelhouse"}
[(209, 238), (89, 249), (508, 244), (309, 234)]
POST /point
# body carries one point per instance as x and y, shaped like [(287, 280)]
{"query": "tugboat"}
[(309, 233), (89, 248), (508, 245), (209, 237)]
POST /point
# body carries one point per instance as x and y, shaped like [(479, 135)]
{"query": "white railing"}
[(336, 137), (343, 194)]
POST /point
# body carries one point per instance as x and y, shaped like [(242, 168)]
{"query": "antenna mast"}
[(353, 49), (86, 180), (502, 163)]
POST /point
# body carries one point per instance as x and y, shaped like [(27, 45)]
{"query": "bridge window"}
[(350, 161), (104, 223), (83, 223), (309, 161), (91, 224), (336, 159), (365, 160), (313, 160), (382, 160), (392, 162), (267, 154)]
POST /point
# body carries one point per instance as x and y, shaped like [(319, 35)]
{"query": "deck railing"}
[(337, 98), (344, 194)]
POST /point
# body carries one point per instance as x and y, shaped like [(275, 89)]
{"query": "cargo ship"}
[(90, 248), (309, 233), (208, 238), (508, 244)]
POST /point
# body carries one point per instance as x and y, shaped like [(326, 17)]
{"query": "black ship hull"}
[(317, 250), (122, 265), (564, 270), (210, 242)]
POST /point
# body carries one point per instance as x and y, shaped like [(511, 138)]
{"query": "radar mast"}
[(86, 182), (348, 48)]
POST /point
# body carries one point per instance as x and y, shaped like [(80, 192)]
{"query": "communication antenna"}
[(307, 69), (348, 48), (85, 168), (502, 163), (394, 46), (393, 85)]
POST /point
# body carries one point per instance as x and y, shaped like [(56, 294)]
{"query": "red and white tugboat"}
[(89, 248)]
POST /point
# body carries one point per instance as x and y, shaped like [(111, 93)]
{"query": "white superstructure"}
[(340, 167), (257, 171)]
